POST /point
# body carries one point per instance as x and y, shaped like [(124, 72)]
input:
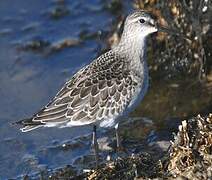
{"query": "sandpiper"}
[(106, 89)]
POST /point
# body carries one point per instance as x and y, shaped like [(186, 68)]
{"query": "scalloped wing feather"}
[(99, 91)]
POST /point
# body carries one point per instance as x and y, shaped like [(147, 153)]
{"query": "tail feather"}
[(29, 128), (28, 121), (28, 124)]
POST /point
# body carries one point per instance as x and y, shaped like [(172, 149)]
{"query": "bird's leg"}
[(118, 145), (95, 145)]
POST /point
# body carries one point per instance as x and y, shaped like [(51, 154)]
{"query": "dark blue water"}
[(30, 77)]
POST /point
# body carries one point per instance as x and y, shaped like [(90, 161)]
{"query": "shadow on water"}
[(40, 43)]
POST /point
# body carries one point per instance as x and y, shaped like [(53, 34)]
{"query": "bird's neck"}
[(133, 49)]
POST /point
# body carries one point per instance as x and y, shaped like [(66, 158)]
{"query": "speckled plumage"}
[(103, 90)]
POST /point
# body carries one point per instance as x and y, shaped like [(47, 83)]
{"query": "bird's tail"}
[(27, 125), (29, 128)]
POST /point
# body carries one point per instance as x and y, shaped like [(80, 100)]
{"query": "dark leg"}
[(95, 146)]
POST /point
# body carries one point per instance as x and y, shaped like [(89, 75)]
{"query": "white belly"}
[(141, 91)]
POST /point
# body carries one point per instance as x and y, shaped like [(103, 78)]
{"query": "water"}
[(31, 73), (29, 78)]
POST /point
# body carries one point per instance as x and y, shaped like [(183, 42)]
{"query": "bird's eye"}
[(142, 21)]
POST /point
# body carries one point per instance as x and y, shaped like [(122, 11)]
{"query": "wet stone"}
[(45, 47), (36, 45), (58, 12), (86, 35), (104, 144), (68, 146), (57, 46)]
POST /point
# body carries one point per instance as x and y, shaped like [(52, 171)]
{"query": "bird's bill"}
[(172, 32)]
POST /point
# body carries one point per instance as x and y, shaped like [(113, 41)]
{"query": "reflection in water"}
[(40, 43), (168, 99)]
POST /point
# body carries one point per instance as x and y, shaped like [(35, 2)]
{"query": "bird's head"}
[(137, 27), (140, 23)]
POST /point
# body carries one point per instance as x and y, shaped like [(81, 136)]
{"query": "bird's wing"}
[(100, 90)]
